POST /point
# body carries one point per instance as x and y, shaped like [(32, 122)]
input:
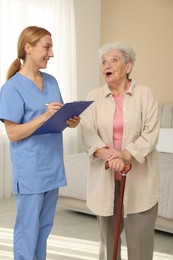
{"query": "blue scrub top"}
[(37, 161)]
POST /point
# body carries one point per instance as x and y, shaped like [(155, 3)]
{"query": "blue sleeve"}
[(11, 104)]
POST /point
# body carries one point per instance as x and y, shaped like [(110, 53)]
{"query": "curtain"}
[(58, 17)]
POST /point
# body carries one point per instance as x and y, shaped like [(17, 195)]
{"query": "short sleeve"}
[(11, 104)]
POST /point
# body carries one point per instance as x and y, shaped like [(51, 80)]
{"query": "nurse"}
[(37, 160)]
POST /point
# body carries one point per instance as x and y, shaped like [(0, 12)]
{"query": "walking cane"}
[(124, 172)]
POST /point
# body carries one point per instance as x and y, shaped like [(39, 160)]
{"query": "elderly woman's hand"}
[(73, 122), (116, 164), (112, 153)]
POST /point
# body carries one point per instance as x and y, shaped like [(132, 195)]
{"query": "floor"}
[(74, 236)]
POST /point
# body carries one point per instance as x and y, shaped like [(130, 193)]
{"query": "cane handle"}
[(126, 169)]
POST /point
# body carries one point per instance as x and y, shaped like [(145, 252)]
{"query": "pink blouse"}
[(118, 127)]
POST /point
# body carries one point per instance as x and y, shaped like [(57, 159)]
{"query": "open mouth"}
[(108, 73)]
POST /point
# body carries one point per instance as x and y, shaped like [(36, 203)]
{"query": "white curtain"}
[(58, 17)]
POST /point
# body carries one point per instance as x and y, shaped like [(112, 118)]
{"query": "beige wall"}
[(147, 26)]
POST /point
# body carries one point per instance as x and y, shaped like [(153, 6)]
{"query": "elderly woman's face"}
[(114, 68)]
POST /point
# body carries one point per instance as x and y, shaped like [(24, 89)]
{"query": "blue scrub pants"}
[(34, 221)]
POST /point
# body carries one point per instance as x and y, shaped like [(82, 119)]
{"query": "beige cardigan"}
[(140, 136)]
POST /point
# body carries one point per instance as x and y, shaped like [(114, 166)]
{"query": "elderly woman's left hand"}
[(73, 122), (112, 153)]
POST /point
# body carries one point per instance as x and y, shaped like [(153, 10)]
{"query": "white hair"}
[(127, 52)]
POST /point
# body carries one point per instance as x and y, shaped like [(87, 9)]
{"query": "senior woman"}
[(122, 126)]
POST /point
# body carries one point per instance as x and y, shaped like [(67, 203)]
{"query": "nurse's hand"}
[(52, 108), (16, 131), (73, 122)]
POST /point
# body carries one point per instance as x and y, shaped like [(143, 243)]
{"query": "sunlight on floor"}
[(60, 247)]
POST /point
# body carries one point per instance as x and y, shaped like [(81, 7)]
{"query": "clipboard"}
[(57, 123)]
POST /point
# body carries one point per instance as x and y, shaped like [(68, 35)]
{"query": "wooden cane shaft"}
[(119, 217), (126, 169)]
